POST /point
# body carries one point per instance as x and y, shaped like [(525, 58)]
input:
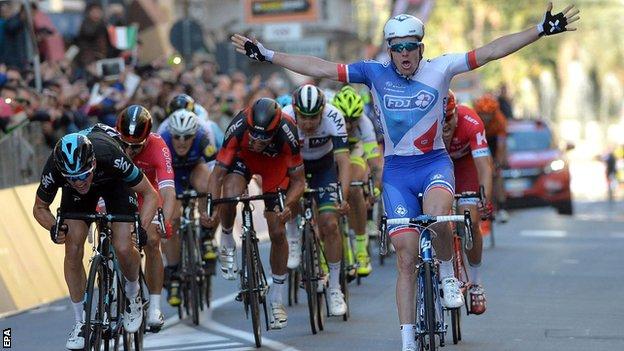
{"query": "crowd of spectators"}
[(75, 95)]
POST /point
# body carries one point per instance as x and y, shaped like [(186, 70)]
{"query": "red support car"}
[(537, 172)]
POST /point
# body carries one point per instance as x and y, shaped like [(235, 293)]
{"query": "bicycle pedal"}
[(154, 329), (239, 297)]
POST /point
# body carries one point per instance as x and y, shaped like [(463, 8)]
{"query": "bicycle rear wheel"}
[(94, 305), (252, 292), (310, 277)]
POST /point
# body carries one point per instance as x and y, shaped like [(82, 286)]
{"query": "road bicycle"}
[(253, 282), (105, 298), (429, 310)]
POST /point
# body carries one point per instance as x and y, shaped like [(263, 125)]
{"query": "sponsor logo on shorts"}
[(437, 176), (400, 210)]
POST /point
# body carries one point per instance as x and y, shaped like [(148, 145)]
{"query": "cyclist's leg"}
[(438, 200), (358, 216), (198, 180), (278, 261), (234, 184), (154, 275), (401, 201)]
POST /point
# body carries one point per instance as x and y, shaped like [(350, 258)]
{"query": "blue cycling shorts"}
[(404, 177)]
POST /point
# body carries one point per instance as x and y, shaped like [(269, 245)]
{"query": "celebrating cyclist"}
[(323, 147), (464, 137), (260, 140), (150, 153), (488, 108), (409, 94), (88, 165), (365, 157), (192, 148)]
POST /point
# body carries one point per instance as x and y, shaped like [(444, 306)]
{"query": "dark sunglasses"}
[(183, 137), (260, 136), (78, 177), (306, 116), (134, 147), (409, 46)]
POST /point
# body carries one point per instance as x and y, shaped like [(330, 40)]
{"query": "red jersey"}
[(469, 135), (155, 161), (280, 157)]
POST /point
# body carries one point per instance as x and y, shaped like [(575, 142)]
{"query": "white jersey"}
[(364, 131), (331, 135), (411, 109)]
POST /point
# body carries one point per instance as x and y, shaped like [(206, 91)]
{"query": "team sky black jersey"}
[(112, 165)]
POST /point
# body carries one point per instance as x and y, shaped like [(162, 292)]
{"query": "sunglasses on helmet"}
[(409, 46)]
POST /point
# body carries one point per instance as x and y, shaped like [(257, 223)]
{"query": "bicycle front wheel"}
[(310, 277), (253, 292), (430, 322), (94, 305)]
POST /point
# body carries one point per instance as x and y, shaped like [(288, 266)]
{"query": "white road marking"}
[(544, 233)]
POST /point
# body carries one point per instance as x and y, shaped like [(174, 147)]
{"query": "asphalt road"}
[(552, 282)]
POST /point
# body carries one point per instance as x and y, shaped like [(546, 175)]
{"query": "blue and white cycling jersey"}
[(411, 110)]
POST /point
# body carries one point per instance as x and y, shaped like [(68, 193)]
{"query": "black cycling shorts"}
[(118, 197), (239, 167)]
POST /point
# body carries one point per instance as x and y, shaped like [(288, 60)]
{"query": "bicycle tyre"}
[(292, 287), (193, 261), (344, 286), (429, 307), (492, 240), (93, 338), (252, 289), (456, 324), (117, 312), (310, 277), (321, 305)]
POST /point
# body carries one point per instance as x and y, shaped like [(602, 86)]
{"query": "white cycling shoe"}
[(337, 305), (133, 314), (155, 318), (451, 293), (227, 258), (294, 253), (76, 340), (278, 319)]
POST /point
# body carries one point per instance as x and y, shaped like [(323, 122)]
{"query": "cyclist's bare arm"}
[(303, 64), (216, 181), (511, 43), (485, 172), (168, 196), (296, 187), (42, 213), (344, 172), (376, 167), (150, 201)]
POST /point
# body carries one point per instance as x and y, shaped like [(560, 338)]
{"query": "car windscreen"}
[(529, 140)]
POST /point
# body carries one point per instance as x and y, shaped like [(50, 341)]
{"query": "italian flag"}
[(123, 38)]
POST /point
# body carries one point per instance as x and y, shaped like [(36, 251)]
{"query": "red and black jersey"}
[(281, 156)]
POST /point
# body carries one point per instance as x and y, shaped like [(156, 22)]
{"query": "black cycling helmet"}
[(309, 100), (181, 101), (134, 124), (73, 155), (264, 116)]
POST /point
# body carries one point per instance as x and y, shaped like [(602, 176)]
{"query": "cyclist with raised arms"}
[(409, 94), (261, 140), (192, 148), (150, 153), (324, 146), (185, 102), (464, 137), (365, 157), (88, 165)]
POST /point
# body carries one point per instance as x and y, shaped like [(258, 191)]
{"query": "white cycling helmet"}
[(403, 26), (183, 122)]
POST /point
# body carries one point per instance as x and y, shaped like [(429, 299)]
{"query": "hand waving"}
[(558, 23)]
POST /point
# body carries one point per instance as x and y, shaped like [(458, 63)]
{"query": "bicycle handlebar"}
[(245, 199), (190, 194), (97, 216)]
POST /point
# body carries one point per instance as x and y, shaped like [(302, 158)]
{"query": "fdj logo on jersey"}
[(421, 101)]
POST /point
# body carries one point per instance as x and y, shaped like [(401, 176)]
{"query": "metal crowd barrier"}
[(23, 153)]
